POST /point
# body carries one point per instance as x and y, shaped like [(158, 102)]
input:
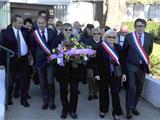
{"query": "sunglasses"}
[(113, 37), (140, 26), (96, 33), (68, 30)]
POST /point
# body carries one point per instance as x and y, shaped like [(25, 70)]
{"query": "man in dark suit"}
[(135, 66), (85, 37), (121, 34), (42, 63), (16, 39)]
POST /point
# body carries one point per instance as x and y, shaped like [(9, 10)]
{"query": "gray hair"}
[(107, 33)]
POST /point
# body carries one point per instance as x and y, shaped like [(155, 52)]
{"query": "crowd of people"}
[(121, 56)]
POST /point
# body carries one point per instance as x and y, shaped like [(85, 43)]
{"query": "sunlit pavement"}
[(86, 109)]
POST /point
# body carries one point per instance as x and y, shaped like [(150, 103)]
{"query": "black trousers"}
[(134, 87), (19, 74), (68, 76), (114, 84), (47, 84)]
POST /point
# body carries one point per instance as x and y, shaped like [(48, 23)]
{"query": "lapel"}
[(145, 41), (48, 35), (12, 35)]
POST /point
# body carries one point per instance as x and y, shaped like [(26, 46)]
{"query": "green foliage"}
[(142, 1), (155, 60), (152, 27)]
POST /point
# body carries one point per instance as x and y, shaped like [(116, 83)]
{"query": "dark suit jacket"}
[(8, 39), (40, 57), (84, 38), (131, 57), (94, 45)]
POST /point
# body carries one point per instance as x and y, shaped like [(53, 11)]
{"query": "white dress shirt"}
[(24, 47), (121, 40), (45, 33)]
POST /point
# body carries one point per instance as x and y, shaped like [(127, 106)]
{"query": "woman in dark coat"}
[(109, 74), (68, 75)]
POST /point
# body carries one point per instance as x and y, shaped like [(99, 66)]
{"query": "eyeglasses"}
[(113, 37), (68, 30), (124, 32), (58, 25), (140, 26), (96, 33)]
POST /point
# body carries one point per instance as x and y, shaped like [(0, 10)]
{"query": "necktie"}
[(19, 44), (140, 38), (43, 36)]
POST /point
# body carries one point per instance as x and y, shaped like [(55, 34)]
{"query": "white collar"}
[(15, 29), (45, 30), (142, 34)]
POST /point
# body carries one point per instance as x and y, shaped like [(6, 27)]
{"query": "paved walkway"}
[(86, 109)]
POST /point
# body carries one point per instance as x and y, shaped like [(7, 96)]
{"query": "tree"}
[(105, 13)]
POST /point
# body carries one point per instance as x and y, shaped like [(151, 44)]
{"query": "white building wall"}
[(57, 2)]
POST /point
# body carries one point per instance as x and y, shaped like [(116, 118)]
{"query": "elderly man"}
[(43, 40), (121, 34)]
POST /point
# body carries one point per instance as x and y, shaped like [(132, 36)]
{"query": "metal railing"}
[(10, 54)]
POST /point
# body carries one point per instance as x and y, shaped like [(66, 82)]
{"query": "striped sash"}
[(140, 50), (112, 53), (41, 43)]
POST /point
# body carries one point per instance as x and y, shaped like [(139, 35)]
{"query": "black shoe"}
[(102, 115), (10, 102), (73, 115), (25, 103), (90, 97), (135, 112), (129, 115), (64, 115), (44, 106), (115, 117), (16, 95), (95, 97), (52, 106)]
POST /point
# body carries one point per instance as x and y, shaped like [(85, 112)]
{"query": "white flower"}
[(85, 58)]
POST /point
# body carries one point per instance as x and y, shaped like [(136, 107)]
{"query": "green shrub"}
[(155, 60)]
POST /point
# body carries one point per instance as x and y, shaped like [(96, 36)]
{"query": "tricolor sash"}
[(140, 50), (112, 53), (41, 42)]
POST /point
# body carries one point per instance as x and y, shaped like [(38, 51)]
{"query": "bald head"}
[(41, 22), (124, 30)]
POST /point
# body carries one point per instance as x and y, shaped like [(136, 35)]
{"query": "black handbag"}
[(118, 70)]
